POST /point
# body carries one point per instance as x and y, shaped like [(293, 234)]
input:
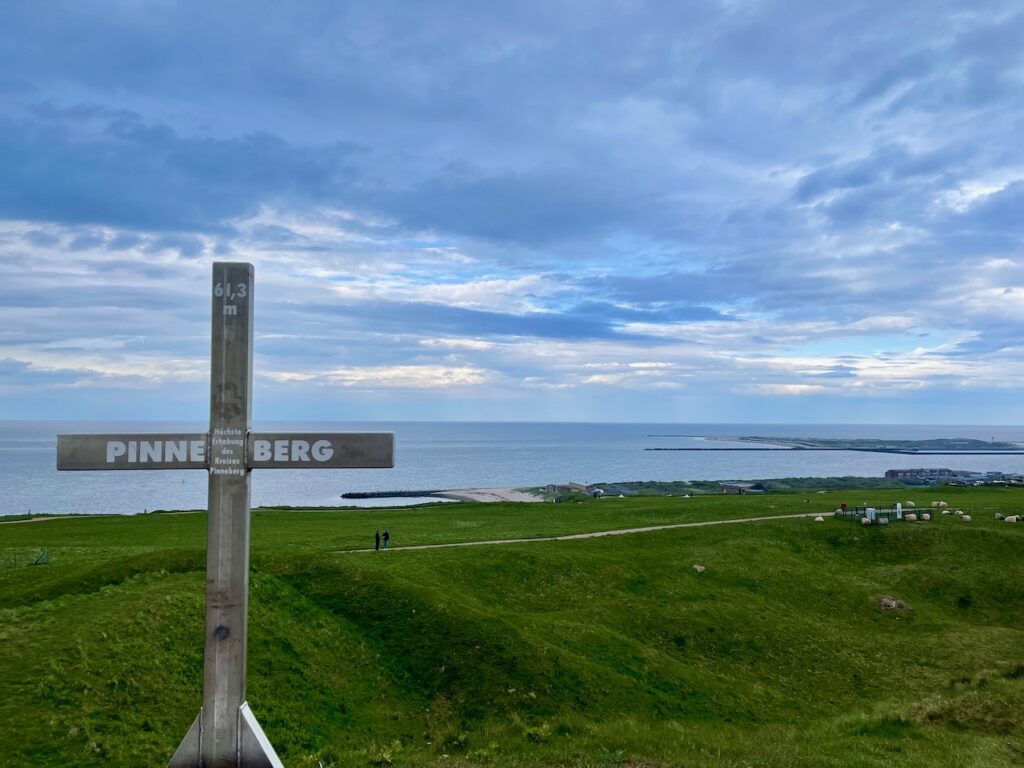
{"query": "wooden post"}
[(227, 538), (225, 733)]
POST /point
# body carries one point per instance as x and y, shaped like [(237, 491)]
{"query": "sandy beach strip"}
[(489, 494)]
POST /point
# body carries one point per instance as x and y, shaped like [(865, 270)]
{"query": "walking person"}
[(387, 538), (376, 540)]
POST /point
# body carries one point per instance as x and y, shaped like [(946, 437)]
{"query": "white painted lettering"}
[(280, 450), (133, 452), (235, 472), (175, 450), (322, 450), (151, 451), (300, 450), (261, 450), (114, 449), (197, 450)]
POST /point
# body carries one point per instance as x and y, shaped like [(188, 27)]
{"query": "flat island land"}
[(934, 447), (800, 643)]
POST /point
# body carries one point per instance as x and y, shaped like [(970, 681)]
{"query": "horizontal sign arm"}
[(315, 450), (140, 451), (222, 452)]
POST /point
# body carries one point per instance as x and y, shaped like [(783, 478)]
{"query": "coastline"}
[(446, 456), (491, 494)]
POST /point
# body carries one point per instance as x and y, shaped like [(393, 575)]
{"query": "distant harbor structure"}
[(953, 477), (741, 488), (920, 475), (589, 490)]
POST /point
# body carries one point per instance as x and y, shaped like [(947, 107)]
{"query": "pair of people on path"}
[(377, 538)]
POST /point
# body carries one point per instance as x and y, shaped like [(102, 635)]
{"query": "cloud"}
[(425, 317), (798, 390), (394, 376), (474, 344), (712, 204), (532, 209), (93, 166), (518, 294)]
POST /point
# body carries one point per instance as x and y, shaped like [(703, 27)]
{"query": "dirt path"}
[(593, 534), (50, 517), (44, 518)]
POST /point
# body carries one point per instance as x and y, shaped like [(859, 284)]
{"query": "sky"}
[(701, 211)]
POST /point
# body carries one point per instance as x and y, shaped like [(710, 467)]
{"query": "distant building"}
[(920, 475), (988, 478), (953, 476), (589, 490), (740, 488)]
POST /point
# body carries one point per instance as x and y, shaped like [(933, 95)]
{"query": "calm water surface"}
[(437, 455)]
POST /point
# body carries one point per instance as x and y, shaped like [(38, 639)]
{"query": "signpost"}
[(225, 733)]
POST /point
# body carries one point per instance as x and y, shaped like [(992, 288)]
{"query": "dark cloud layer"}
[(774, 172), (91, 166), (428, 318)]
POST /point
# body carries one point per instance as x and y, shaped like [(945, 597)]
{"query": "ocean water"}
[(440, 455)]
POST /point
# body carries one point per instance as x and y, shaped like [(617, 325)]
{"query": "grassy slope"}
[(602, 652)]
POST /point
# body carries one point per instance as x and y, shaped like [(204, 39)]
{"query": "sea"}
[(450, 455)]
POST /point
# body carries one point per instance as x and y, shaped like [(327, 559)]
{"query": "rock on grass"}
[(888, 603)]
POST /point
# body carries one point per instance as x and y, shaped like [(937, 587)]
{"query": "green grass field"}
[(600, 652)]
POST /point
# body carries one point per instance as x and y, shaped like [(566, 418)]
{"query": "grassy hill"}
[(601, 652)]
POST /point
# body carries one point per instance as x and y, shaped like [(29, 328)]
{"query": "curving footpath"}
[(592, 535)]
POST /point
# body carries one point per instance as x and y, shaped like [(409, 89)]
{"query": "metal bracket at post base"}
[(254, 748)]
